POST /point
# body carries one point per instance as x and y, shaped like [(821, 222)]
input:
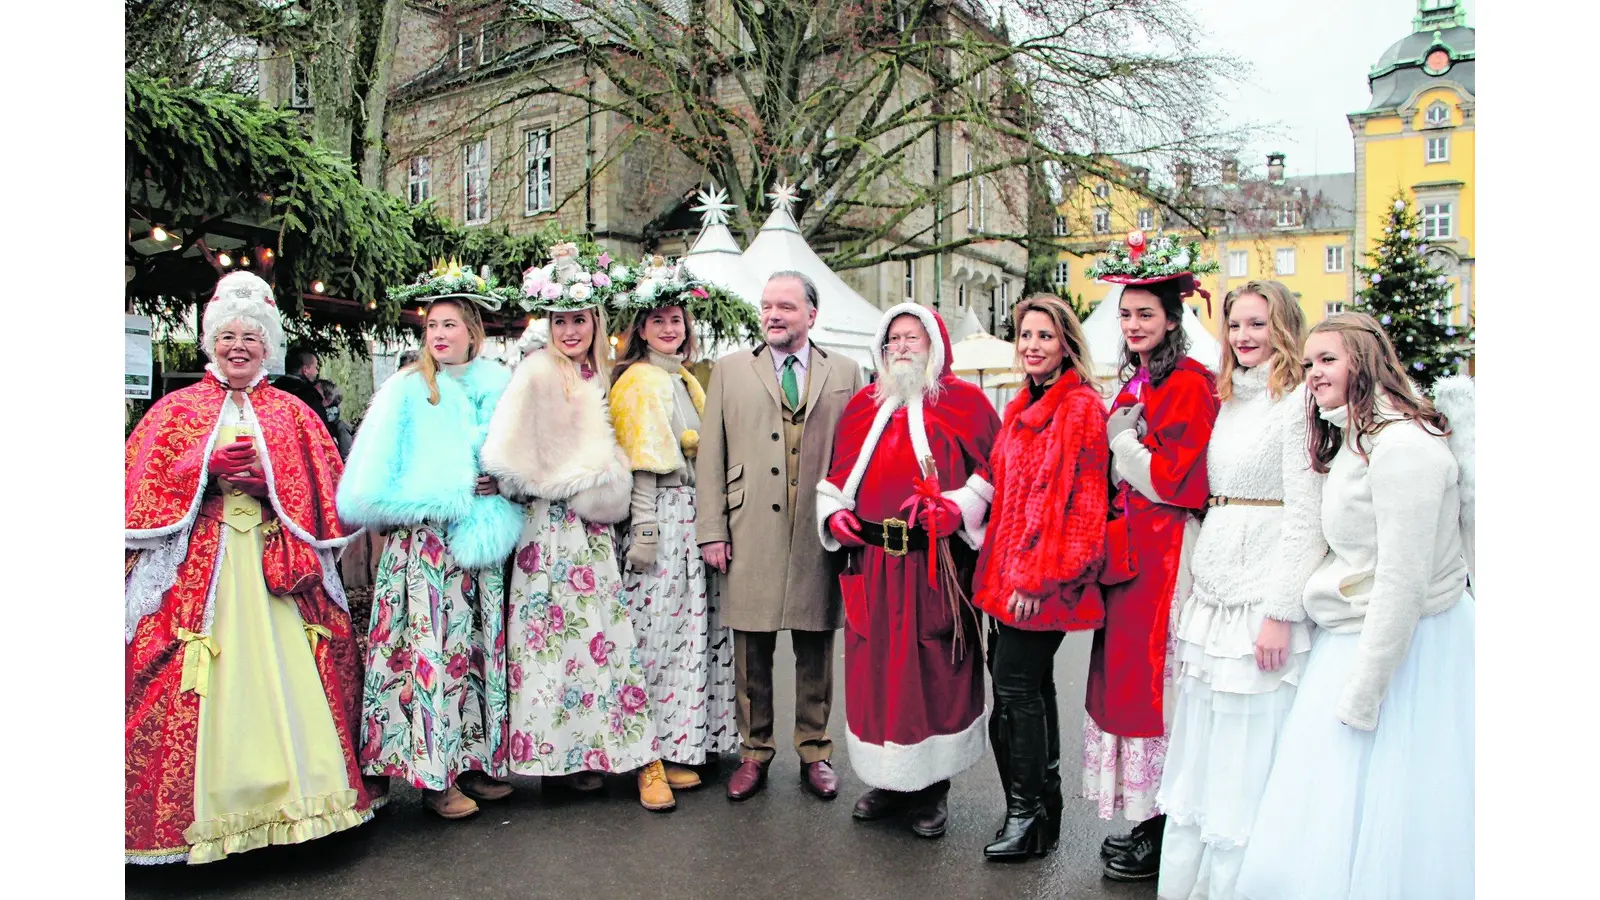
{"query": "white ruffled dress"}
[(1250, 564)]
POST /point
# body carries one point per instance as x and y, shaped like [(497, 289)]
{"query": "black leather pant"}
[(1025, 726)]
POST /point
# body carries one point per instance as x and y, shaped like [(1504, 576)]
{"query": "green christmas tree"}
[(1411, 300)]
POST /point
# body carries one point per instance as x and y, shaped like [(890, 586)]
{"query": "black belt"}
[(896, 536)]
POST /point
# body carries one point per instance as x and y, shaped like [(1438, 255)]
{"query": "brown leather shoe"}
[(820, 779), (449, 803), (479, 786), (879, 804), (747, 780), (929, 818)]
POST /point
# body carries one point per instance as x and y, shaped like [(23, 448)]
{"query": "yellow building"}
[(1416, 139), (1310, 232)]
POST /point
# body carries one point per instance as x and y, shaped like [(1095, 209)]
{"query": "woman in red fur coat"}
[(1041, 558)]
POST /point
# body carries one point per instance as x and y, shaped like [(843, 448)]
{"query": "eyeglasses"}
[(905, 341)]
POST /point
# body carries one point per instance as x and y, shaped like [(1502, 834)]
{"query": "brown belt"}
[(1240, 501)]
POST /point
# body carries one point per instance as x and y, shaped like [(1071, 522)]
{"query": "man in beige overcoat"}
[(767, 430)]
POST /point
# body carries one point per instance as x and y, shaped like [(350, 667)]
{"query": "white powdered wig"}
[(242, 298)]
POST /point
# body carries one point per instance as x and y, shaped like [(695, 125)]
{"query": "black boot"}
[(1000, 740), (1052, 770), (1142, 861), (1117, 844), (1024, 831)]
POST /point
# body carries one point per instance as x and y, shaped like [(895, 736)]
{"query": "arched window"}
[(1438, 114)]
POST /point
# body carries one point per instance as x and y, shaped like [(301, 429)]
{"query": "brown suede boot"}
[(450, 804), (654, 792)]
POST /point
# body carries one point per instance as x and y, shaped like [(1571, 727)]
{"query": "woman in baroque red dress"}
[(242, 675)]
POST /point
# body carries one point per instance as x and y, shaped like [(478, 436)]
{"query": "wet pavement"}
[(782, 842)]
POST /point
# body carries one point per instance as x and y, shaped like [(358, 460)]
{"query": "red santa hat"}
[(940, 352)]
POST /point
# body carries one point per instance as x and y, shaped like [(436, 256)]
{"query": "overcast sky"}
[(1310, 60)]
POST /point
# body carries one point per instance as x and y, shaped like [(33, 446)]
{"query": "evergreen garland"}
[(1410, 298)]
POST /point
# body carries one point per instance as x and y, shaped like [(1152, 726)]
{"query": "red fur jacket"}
[(1046, 532)]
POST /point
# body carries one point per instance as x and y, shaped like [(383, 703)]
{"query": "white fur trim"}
[(880, 421), (295, 528), (829, 501), (924, 315), (912, 767), (919, 432), (137, 537), (973, 498)]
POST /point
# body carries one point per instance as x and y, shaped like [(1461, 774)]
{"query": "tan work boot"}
[(681, 778), (654, 792), (450, 804), (479, 786)]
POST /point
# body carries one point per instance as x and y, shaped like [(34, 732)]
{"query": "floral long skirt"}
[(686, 650), (435, 697), (577, 685)]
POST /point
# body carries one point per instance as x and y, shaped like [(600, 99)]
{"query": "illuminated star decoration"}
[(783, 196), (713, 208)]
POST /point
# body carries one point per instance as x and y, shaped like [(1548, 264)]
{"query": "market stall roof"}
[(715, 256), (846, 321), (1104, 335)]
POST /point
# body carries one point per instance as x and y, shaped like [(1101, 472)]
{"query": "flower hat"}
[(448, 280), (657, 284), (1139, 261), (568, 282)]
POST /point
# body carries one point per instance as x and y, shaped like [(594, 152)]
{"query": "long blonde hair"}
[(1373, 367), (1067, 326), (426, 364), (599, 352), (1286, 333)]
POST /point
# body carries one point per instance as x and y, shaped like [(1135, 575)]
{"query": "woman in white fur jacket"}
[(1242, 635), (577, 690), (1371, 795)]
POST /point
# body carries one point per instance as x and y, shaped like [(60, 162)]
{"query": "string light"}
[(244, 260), (224, 260), (267, 253), (158, 233), (318, 287)]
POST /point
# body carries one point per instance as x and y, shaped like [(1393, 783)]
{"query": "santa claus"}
[(907, 497)]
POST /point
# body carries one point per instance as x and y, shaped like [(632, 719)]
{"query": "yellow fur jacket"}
[(641, 409)]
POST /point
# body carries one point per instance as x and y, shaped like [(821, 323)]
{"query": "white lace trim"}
[(153, 575)]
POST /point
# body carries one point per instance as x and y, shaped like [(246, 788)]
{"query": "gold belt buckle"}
[(900, 543)]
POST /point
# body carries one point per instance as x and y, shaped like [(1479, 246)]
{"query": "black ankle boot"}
[(1024, 833), (1142, 861), (1117, 844), (1052, 770)]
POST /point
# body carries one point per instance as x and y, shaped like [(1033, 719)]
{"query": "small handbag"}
[(1121, 565), (288, 564)]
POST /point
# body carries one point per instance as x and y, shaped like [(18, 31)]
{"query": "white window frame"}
[(539, 171), (1103, 190), (1440, 107), (1102, 220), (1437, 221), (982, 218), (299, 84), (1060, 228), (1238, 263), (911, 281), (419, 179), (1278, 257), (1063, 273), (469, 43), (1441, 144), (468, 172), (1147, 219), (1333, 258), (1288, 215), (1332, 308)]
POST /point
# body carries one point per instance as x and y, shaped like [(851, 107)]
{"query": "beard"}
[(908, 379)]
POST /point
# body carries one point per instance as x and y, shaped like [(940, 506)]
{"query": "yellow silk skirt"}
[(268, 767)]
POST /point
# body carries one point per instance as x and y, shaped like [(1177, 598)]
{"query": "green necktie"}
[(791, 388)]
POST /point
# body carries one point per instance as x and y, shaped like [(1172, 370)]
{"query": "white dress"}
[(1371, 794), (1250, 564)]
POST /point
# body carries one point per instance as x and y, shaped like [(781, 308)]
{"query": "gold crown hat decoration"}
[(450, 280)]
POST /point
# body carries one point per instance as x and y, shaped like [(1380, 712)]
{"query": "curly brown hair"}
[(1373, 367)]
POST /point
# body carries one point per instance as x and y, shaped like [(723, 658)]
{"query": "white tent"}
[(846, 322), (966, 326), (715, 257), (1104, 334)]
